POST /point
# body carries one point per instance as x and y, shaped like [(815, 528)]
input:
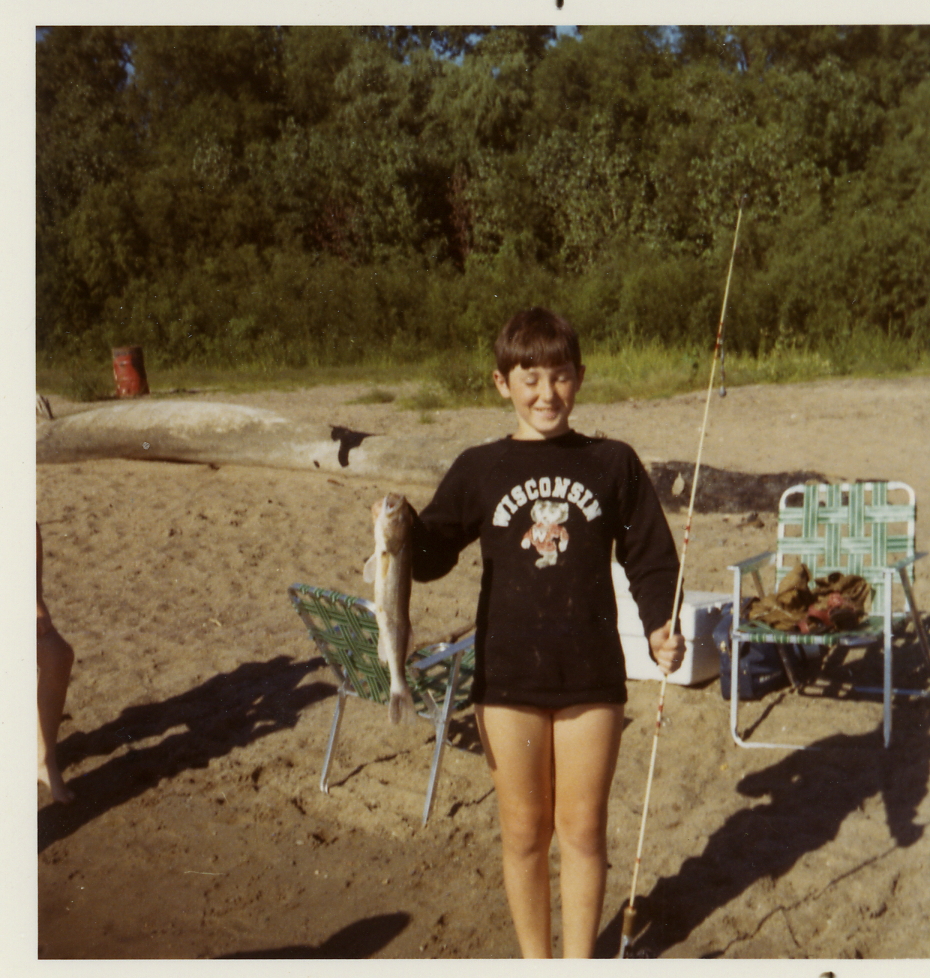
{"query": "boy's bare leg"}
[(518, 745), (54, 658), (586, 741)]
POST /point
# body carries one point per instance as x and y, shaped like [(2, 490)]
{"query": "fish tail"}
[(401, 707)]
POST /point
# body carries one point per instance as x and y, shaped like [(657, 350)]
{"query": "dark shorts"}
[(548, 700)]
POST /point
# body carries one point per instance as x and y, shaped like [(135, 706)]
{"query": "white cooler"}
[(699, 613)]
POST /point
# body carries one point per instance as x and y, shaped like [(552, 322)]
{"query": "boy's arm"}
[(436, 549), (444, 528), (646, 549)]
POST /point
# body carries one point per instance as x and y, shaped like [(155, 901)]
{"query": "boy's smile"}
[(543, 398)]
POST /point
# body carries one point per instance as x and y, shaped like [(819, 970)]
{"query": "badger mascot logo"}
[(547, 534)]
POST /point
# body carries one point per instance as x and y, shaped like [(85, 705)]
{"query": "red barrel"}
[(129, 371)]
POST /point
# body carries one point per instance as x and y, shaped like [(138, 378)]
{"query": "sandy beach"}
[(198, 714)]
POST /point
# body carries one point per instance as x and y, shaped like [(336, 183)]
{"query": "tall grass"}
[(462, 378), (92, 380), (80, 379), (652, 370)]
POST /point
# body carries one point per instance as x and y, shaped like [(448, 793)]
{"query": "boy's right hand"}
[(668, 650)]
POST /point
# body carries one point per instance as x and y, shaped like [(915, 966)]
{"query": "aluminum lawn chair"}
[(345, 631), (864, 528)]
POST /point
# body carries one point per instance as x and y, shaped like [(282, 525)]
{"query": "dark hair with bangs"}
[(536, 338)]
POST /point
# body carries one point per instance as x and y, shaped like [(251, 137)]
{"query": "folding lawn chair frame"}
[(854, 529), (345, 631)]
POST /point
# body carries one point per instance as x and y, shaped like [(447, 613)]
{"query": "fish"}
[(389, 568)]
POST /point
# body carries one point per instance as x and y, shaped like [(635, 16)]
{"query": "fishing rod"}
[(629, 911)]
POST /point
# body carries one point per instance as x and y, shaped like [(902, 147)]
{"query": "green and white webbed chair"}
[(345, 631), (863, 528)]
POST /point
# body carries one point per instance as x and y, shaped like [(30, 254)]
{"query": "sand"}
[(199, 710)]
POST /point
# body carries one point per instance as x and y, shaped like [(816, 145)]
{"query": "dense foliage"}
[(314, 195)]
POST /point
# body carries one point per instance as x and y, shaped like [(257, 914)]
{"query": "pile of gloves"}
[(836, 603)]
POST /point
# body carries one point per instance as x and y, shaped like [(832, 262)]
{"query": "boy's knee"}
[(582, 830), (527, 830)]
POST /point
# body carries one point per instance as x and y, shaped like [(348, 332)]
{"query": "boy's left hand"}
[(668, 650)]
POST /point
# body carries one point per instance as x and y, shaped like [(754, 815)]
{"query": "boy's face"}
[(543, 398)]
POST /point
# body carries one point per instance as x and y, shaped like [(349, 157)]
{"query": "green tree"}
[(83, 140), (302, 193)]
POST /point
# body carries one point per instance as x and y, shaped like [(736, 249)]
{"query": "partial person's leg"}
[(518, 745), (54, 658), (586, 741)]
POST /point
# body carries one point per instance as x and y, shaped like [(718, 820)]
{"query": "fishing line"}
[(629, 911)]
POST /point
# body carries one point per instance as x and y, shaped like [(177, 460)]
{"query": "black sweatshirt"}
[(548, 514)]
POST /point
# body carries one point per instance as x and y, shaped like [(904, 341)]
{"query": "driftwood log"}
[(228, 434)]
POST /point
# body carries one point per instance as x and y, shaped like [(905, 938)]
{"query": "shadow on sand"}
[(809, 795), (229, 710), (362, 939)]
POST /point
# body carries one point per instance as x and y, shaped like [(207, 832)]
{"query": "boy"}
[(549, 506)]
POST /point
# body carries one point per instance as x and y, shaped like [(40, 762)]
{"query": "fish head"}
[(395, 518)]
